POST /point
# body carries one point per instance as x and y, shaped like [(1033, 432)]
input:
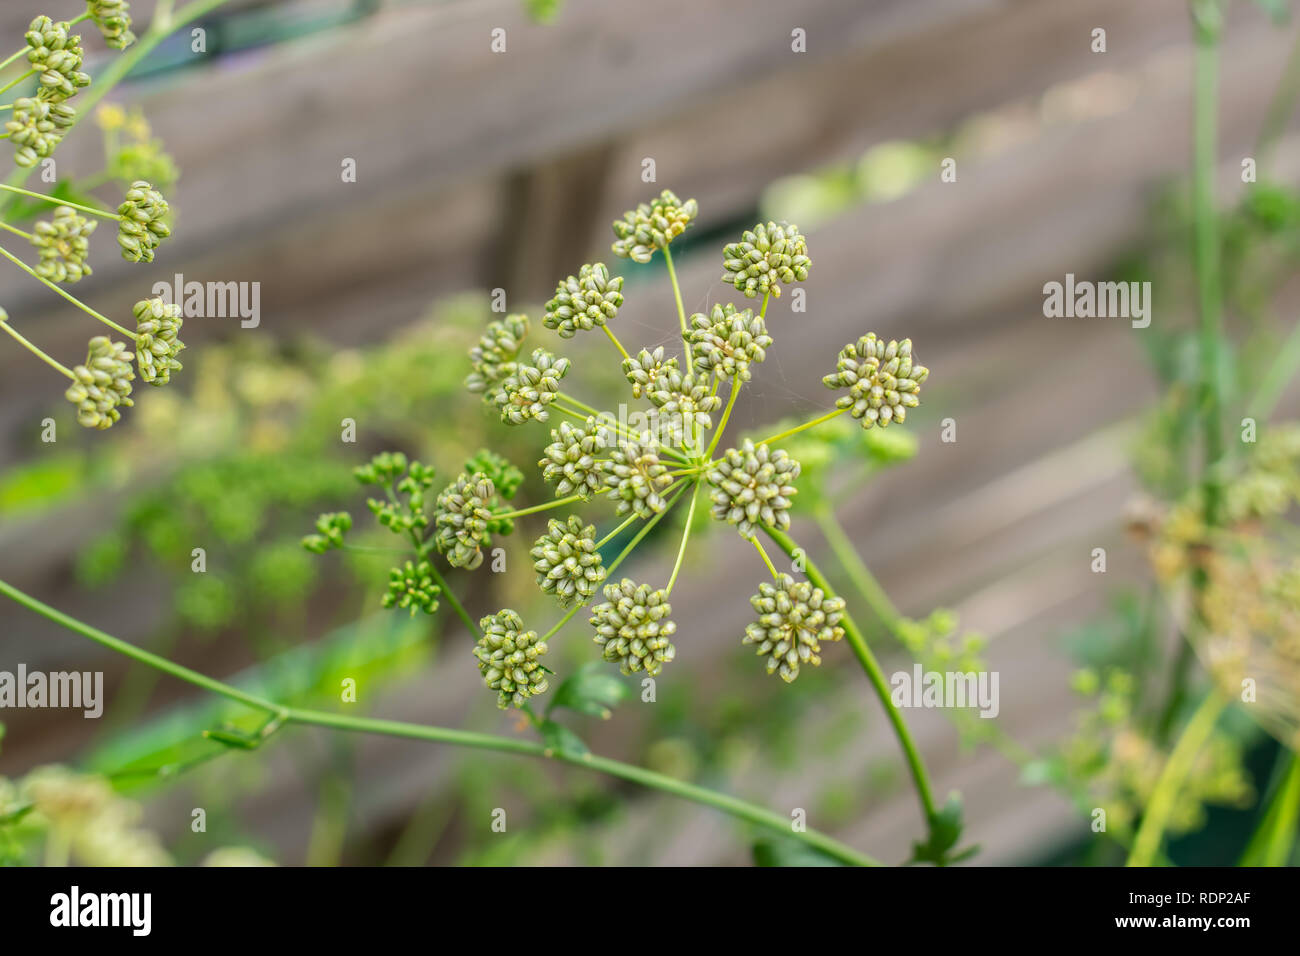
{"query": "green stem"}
[(4, 324), (159, 30), (71, 298), (726, 416), (557, 503), (1159, 808), (456, 606), (1276, 378), (686, 536), (61, 202), (617, 344), (13, 56), (798, 428), (920, 777), (859, 574), (10, 85), (616, 532), (16, 231), (1274, 840), (392, 728), (681, 311), (762, 553)]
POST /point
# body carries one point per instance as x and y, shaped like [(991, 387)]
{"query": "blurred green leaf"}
[(592, 690), (561, 740)]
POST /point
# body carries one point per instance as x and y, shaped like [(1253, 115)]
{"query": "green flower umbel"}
[(764, 258), (882, 380), (509, 659), (684, 397), (572, 459), (793, 619), (636, 479), (157, 326), (753, 486), (113, 17), (652, 226), (523, 396), (567, 561), (64, 243), (142, 228), (585, 301), (103, 384), (464, 522), (497, 353), (728, 342), (412, 586), (633, 628)]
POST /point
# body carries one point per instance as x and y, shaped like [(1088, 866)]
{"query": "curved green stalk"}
[(681, 311), (1152, 829), (734, 806), (71, 298), (920, 777)]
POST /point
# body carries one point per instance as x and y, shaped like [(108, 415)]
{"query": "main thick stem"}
[(734, 806), (920, 778)]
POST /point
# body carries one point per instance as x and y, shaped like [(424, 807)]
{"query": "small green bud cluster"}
[(571, 461), (793, 619), (157, 326), (113, 17), (753, 486), (645, 371), (142, 228), (412, 587), (727, 342), (765, 257), (567, 561), (523, 396), (37, 127), (652, 226), (584, 302), (496, 355), (465, 521), (636, 478), (881, 378), (633, 627), (331, 528), (392, 512), (509, 658), (63, 244), (103, 384), (57, 55)]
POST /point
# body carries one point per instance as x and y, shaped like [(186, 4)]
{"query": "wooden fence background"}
[(461, 152)]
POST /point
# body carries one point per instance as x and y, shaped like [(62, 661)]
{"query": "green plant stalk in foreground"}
[(281, 714)]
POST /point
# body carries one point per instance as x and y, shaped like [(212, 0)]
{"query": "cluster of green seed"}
[(753, 486), (157, 326), (764, 258), (103, 384), (509, 658), (685, 397), (644, 371), (882, 380), (636, 478), (113, 17), (142, 227), (793, 619), (633, 627), (572, 463), (463, 527), (496, 355), (330, 528), (57, 56), (567, 561), (523, 396), (727, 342), (36, 127), (584, 301), (652, 226), (412, 586), (63, 244)]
